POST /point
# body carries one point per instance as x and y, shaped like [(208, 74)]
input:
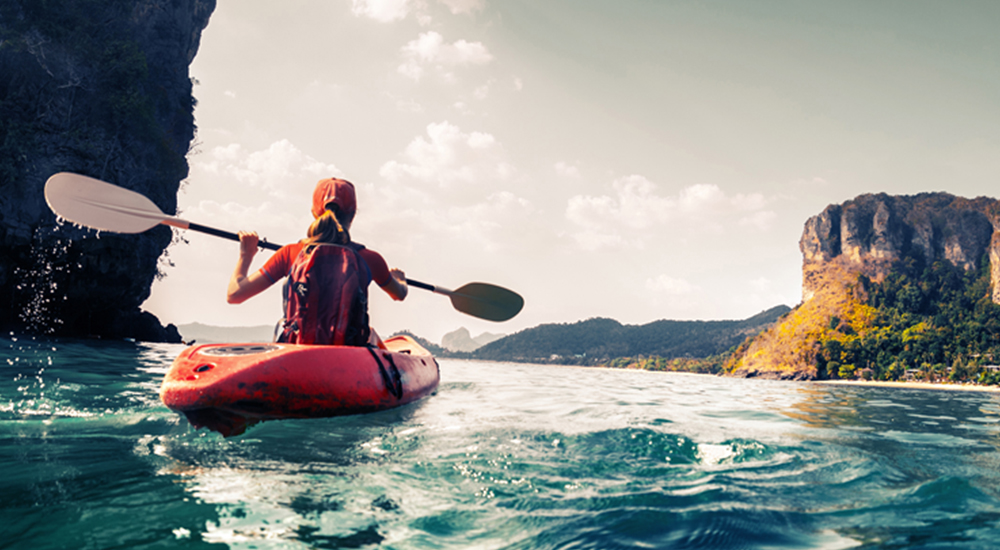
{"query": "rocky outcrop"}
[(461, 340), (872, 232), (102, 89), (868, 236)]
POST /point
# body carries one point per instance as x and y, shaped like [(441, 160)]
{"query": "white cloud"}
[(276, 170), (464, 6), (430, 50), (636, 205), (761, 220), (700, 197), (483, 222), (383, 11), (448, 156), (665, 284), (263, 216), (635, 211), (411, 69), (518, 84), (409, 106), (567, 170), (448, 185)]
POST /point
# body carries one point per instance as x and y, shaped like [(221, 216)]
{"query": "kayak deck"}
[(228, 387)]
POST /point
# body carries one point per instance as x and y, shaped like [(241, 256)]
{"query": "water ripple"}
[(504, 456)]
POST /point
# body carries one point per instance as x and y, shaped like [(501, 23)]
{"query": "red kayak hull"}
[(227, 387)]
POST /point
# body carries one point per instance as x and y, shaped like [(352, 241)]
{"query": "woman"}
[(326, 294)]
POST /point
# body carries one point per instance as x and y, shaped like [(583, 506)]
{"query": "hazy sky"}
[(638, 160)]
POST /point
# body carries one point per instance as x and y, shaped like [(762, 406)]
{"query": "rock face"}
[(868, 236), (101, 88), (873, 231)]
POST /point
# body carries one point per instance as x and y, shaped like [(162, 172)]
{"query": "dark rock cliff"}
[(99, 88)]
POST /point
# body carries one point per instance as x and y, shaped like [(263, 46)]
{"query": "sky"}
[(635, 160)]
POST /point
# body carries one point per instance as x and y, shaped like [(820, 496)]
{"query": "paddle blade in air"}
[(487, 301), (100, 205)]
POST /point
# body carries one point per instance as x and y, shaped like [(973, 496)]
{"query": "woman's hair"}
[(344, 217), (327, 229)]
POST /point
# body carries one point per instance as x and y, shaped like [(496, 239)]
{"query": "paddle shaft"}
[(94, 203), (225, 234), (273, 246)]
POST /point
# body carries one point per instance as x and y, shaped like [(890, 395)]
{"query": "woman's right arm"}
[(243, 287)]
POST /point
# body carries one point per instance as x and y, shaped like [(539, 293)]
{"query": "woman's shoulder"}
[(369, 253)]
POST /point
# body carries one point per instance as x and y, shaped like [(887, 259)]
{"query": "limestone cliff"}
[(98, 87), (861, 241)]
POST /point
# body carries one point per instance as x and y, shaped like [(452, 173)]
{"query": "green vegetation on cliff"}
[(932, 322), (923, 321), (694, 365)]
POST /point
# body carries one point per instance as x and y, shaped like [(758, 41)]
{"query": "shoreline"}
[(912, 385), (898, 384)]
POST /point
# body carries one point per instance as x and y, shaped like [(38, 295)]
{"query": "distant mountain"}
[(207, 334), (462, 340), (598, 340)]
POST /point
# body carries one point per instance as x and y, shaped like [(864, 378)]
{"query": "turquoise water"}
[(504, 456)]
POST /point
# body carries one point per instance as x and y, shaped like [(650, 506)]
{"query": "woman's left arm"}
[(396, 287)]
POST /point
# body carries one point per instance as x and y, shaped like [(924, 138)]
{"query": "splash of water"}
[(38, 284)]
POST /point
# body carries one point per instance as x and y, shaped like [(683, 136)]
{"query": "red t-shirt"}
[(278, 265)]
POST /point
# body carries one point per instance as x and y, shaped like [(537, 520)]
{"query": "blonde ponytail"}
[(327, 229)]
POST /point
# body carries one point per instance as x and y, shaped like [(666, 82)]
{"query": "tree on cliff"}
[(98, 87), (934, 321)]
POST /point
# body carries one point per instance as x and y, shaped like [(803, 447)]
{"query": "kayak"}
[(228, 387)]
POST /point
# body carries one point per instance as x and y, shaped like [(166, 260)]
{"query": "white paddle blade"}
[(99, 205)]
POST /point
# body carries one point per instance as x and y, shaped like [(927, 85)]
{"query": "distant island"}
[(607, 342), (894, 288)]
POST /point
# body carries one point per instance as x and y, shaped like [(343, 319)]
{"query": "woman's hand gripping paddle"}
[(100, 205)]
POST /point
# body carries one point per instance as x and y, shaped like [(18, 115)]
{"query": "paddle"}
[(100, 205)]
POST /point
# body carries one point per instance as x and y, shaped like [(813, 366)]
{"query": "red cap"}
[(334, 191)]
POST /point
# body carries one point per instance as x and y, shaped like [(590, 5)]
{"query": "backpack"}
[(326, 297)]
